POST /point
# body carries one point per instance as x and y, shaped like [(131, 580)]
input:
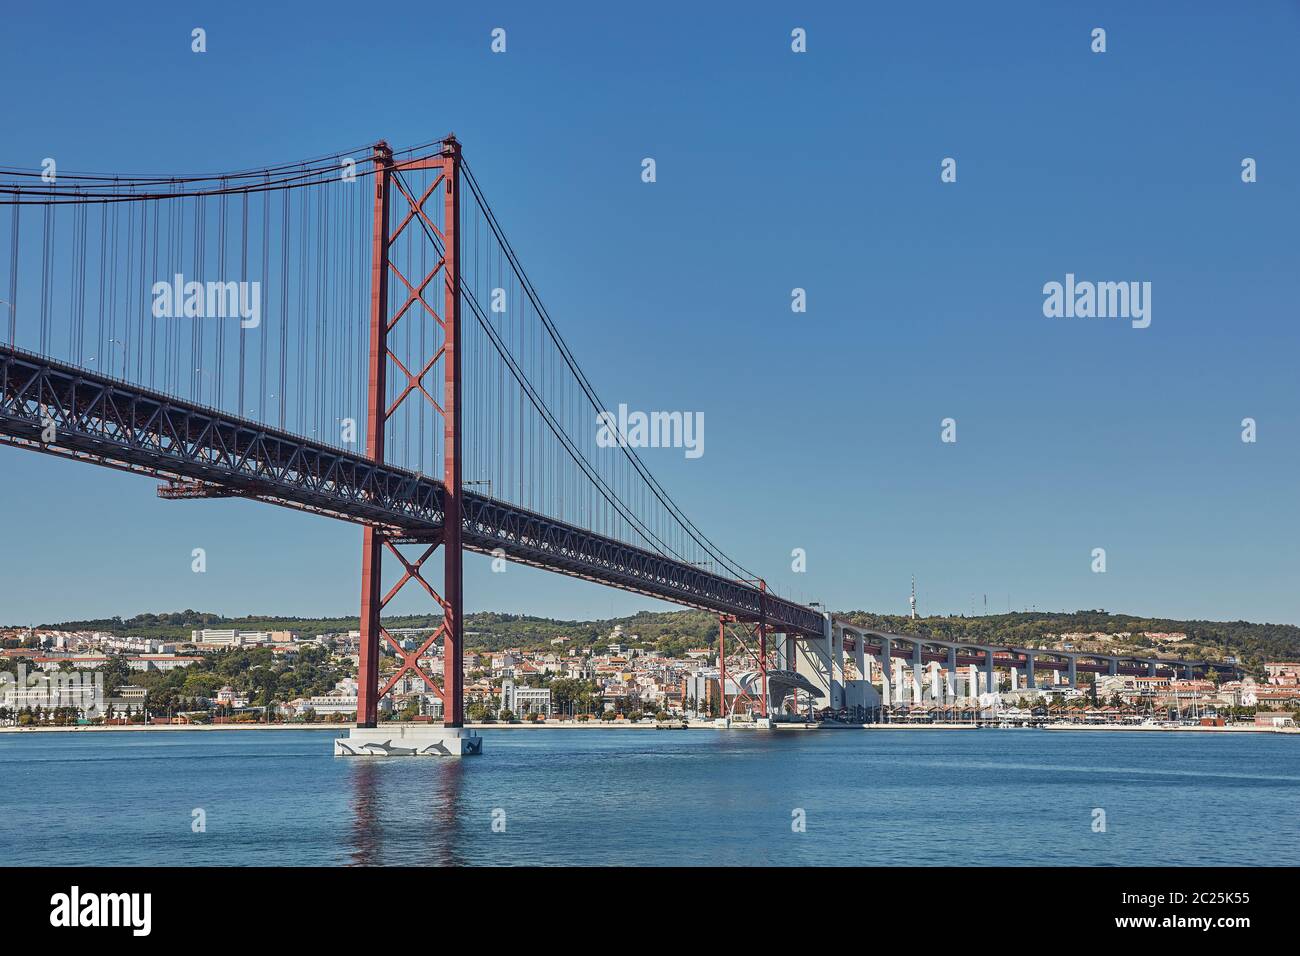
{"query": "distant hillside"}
[(673, 632)]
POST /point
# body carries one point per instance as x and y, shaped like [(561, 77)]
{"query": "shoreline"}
[(337, 728), (603, 725)]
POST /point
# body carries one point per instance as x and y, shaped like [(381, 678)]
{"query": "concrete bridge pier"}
[(886, 650), (839, 685), (1074, 672), (918, 675), (860, 698), (824, 664), (990, 677), (1030, 683), (409, 740), (952, 674)]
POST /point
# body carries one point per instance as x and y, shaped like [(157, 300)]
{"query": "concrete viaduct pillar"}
[(1030, 683), (952, 674), (839, 684), (918, 675), (989, 675), (860, 665), (886, 699)]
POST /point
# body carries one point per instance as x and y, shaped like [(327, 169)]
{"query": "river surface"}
[(645, 797)]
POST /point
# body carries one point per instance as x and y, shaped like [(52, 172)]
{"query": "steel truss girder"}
[(129, 426)]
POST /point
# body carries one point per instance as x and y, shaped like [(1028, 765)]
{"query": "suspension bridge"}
[(354, 336)]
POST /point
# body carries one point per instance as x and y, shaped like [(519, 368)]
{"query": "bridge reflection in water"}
[(424, 833)]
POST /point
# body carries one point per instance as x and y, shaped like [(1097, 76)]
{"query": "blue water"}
[(644, 797)]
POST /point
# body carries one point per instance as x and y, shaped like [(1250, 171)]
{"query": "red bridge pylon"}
[(390, 189)]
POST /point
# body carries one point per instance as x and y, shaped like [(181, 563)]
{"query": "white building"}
[(525, 700), (160, 662), (234, 638), (342, 704), (333, 704)]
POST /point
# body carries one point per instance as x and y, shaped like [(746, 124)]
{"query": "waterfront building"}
[(525, 700), (129, 697), (330, 704), (1275, 718)]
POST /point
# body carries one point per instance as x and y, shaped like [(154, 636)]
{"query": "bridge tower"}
[(391, 191)]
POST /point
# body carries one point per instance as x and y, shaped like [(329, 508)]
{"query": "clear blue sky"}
[(775, 170)]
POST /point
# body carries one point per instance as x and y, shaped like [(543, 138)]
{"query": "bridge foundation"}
[(409, 740)]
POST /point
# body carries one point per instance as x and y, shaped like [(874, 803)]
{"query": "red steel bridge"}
[(352, 336)]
